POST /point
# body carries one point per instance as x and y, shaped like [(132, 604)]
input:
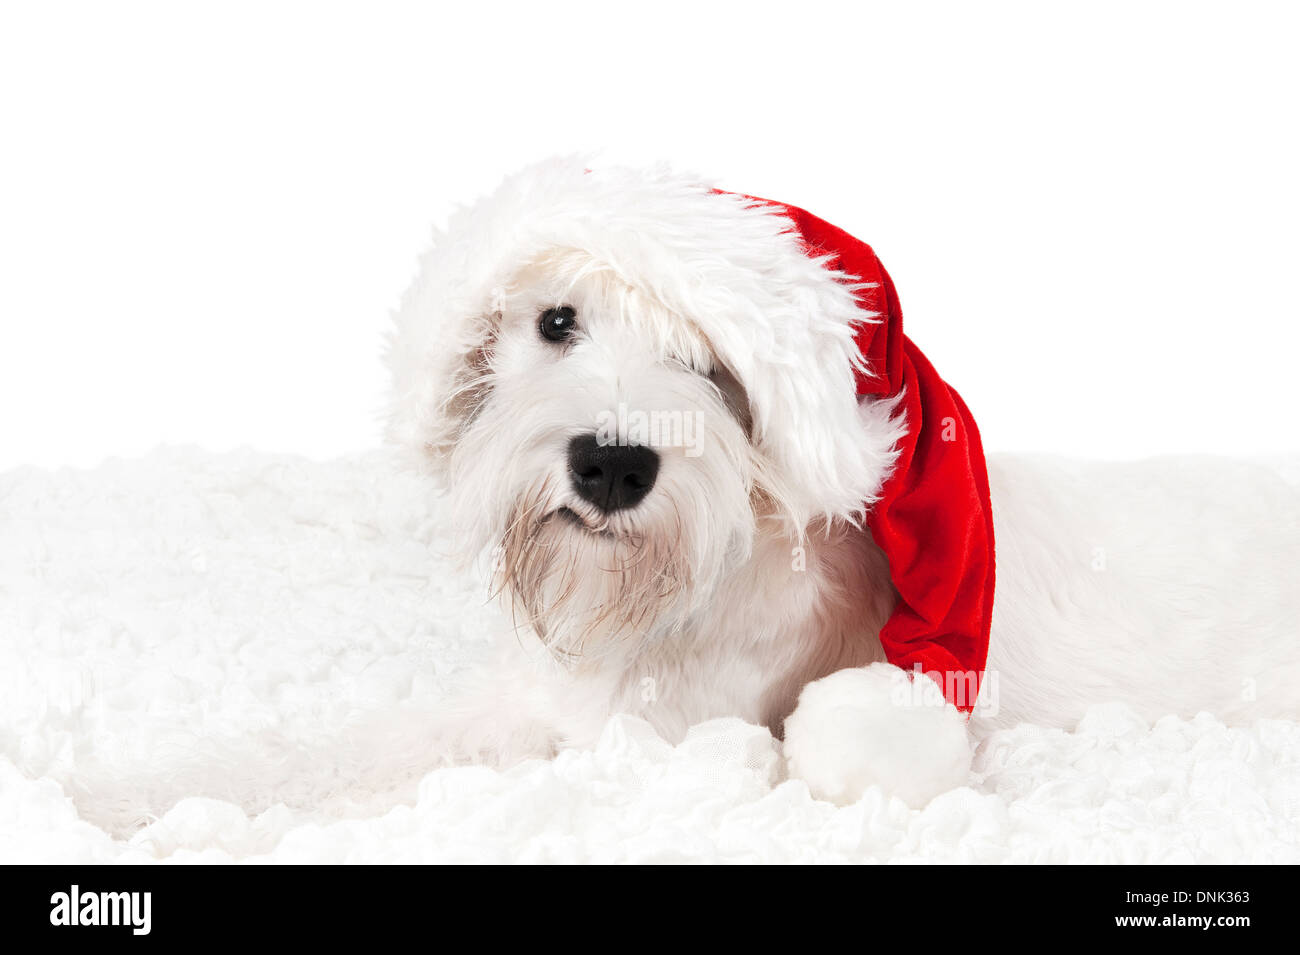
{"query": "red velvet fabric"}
[(934, 520)]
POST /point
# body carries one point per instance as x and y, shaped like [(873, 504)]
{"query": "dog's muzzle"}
[(611, 476)]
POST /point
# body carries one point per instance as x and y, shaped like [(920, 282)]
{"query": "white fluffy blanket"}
[(236, 657)]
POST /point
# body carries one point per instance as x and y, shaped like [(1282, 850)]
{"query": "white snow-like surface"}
[(236, 657)]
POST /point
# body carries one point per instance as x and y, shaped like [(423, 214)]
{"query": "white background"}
[(207, 212)]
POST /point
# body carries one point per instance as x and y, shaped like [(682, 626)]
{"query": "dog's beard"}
[(586, 582)]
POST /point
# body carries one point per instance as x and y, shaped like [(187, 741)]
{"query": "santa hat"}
[(933, 519), (806, 318)]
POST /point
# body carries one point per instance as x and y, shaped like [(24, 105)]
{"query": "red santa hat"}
[(807, 319), (933, 519)]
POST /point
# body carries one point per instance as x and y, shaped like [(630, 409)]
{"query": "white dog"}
[(639, 394)]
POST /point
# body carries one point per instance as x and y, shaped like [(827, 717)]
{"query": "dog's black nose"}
[(611, 476)]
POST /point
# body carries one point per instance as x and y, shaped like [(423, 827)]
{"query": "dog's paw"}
[(871, 726)]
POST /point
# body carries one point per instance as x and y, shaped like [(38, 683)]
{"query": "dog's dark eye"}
[(557, 324)]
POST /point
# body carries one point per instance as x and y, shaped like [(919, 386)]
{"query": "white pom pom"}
[(872, 726)]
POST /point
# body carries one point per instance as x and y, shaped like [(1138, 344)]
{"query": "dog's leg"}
[(523, 706), (875, 726)]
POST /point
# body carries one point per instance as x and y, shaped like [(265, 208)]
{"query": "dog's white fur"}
[(744, 585)]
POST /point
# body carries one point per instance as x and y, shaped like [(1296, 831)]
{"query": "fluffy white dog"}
[(639, 395)]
